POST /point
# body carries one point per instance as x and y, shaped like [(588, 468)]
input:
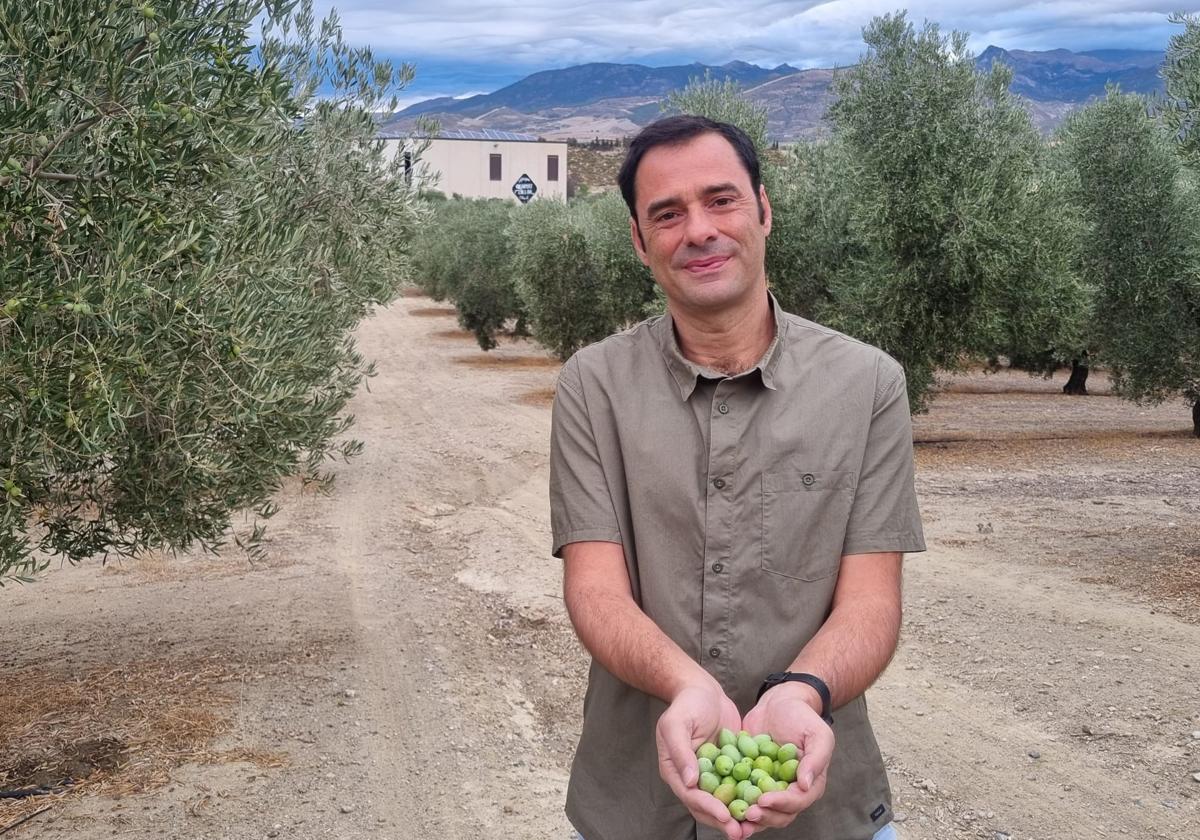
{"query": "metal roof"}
[(468, 134)]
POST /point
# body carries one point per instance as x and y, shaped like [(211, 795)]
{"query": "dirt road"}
[(401, 665)]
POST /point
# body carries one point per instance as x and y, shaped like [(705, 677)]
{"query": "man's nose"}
[(700, 228)]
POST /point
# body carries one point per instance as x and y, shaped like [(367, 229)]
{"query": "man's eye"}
[(723, 201), (665, 217)]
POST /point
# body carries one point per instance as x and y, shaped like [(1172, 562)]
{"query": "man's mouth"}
[(706, 264)]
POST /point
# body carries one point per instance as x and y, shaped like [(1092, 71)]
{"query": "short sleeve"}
[(885, 516), (581, 507)]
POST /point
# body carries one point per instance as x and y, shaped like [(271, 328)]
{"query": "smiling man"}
[(731, 492)]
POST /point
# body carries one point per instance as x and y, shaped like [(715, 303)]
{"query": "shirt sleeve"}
[(581, 506), (885, 516)]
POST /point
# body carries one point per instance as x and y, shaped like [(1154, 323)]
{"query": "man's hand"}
[(788, 713), (697, 713)]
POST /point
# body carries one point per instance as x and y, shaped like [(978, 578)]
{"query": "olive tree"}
[(576, 272), (812, 240), (188, 236), (957, 242), (627, 291), (720, 100), (465, 256), (1140, 249), (1181, 78)]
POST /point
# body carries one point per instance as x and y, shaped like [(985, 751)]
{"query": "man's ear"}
[(765, 204), (639, 245)]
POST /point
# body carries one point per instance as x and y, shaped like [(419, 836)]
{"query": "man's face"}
[(701, 233)]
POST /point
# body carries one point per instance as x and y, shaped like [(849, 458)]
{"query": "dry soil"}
[(400, 665)]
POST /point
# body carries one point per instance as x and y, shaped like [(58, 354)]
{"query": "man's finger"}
[(708, 810), (678, 741), (776, 816), (818, 750)]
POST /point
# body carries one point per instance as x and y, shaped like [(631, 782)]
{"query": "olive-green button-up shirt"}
[(734, 499)]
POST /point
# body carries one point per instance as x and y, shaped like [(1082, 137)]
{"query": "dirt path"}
[(401, 667)]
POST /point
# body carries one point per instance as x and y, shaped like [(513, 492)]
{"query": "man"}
[(731, 492)]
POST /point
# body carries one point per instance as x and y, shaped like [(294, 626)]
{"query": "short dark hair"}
[(672, 131)]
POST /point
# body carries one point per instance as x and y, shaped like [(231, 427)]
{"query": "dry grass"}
[(538, 397), (494, 360), (1053, 448), (115, 730), (433, 311), (455, 334)]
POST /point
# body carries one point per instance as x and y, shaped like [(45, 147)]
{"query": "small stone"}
[(1196, 777), (350, 693), (1087, 730), (899, 816), (1034, 754), (347, 809), (1196, 734)]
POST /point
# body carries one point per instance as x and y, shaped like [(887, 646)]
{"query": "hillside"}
[(614, 100)]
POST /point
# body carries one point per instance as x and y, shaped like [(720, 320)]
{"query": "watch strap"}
[(815, 682)]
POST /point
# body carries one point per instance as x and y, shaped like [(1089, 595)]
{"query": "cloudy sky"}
[(465, 46)]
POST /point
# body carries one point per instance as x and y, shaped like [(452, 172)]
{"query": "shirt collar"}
[(686, 372)]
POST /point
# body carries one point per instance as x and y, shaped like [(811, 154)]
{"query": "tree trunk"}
[(1196, 417), (1077, 385)]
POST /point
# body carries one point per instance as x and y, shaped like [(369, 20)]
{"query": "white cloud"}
[(540, 34)]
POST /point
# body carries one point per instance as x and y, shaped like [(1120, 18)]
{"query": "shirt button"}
[(724, 409), (718, 568), (719, 483), (714, 652), (808, 479)]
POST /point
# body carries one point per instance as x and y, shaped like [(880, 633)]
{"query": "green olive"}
[(728, 780), (751, 794), (706, 766), (787, 752), (731, 751), (737, 809), (765, 764), (723, 764), (747, 746), (725, 793), (758, 774), (768, 748), (708, 750), (741, 771), (725, 738), (709, 782), (787, 771)]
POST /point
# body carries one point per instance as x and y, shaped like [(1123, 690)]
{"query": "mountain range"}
[(615, 100)]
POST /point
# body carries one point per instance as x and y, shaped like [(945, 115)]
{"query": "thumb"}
[(677, 744)]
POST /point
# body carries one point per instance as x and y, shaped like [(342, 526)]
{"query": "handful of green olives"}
[(741, 767)]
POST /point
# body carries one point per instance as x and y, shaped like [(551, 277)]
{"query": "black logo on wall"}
[(524, 189)]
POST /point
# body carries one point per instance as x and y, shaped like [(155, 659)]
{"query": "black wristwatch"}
[(808, 679)]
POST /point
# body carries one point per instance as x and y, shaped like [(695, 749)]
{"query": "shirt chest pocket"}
[(804, 519)]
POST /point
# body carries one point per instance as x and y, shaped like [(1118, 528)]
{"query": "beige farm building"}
[(490, 164)]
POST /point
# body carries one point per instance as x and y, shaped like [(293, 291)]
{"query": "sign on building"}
[(524, 189)]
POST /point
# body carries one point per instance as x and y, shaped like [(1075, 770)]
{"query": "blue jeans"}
[(888, 832)]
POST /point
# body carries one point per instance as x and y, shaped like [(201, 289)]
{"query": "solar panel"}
[(465, 134)]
